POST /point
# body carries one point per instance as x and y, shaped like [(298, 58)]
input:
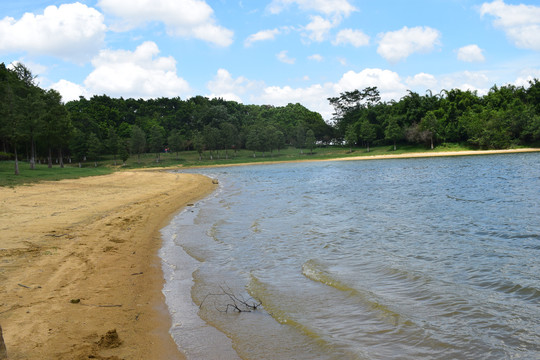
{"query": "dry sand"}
[(78, 259)]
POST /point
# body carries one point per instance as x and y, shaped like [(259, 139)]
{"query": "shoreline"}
[(94, 241), (79, 259), (425, 154)]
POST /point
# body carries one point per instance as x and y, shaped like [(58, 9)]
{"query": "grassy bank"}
[(107, 165)]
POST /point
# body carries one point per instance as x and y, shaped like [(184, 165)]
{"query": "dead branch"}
[(235, 303)]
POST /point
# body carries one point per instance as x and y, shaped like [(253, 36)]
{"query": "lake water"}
[(431, 258)]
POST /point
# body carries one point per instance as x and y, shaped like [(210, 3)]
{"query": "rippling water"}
[(434, 258)]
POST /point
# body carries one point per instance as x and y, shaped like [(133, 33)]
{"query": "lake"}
[(432, 258)]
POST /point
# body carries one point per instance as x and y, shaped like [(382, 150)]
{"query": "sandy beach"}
[(80, 276)]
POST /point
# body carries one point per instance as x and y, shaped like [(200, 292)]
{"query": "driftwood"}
[(3, 351), (234, 302)]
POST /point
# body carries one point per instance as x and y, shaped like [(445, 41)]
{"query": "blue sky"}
[(271, 51)]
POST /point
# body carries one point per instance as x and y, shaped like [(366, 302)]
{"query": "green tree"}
[(123, 152), (137, 142), (367, 132), (351, 137), (253, 141), (78, 146), (300, 140), (156, 141), (176, 142), (310, 140), (55, 127), (113, 143), (198, 143), (430, 124), (94, 148), (228, 136), (393, 131), (11, 127)]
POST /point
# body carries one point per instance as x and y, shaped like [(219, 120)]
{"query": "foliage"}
[(35, 125)]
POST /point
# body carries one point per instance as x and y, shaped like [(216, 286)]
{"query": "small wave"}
[(316, 271), (271, 299), (527, 293)]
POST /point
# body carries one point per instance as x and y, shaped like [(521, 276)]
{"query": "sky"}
[(271, 51)]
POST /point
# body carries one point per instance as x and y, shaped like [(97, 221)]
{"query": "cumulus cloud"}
[(471, 53), (72, 32), (262, 35), (354, 37), (423, 80), (318, 29), (327, 7), (184, 18), (521, 23), (69, 90), (138, 74), (284, 58), (526, 76), (225, 86), (397, 45), (388, 82)]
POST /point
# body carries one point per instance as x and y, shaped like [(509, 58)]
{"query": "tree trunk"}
[(16, 161), (431, 139), (49, 159), (394, 146), (32, 155), (61, 157)]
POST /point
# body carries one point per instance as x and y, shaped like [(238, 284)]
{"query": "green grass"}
[(106, 165), (43, 173)]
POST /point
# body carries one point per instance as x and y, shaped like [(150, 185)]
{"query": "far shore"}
[(79, 260), (366, 156)]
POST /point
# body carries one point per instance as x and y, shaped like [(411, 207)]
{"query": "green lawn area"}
[(106, 165)]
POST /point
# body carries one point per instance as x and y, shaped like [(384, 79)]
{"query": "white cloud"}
[(327, 7), (69, 91), (526, 76), (521, 23), (312, 97), (471, 53), (184, 18), (424, 80), (262, 35), (398, 45), (71, 31), (225, 86), (388, 82), (316, 57), (284, 58), (137, 74), (349, 36), (318, 28)]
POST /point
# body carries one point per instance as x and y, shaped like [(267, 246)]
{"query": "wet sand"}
[(78, 260)]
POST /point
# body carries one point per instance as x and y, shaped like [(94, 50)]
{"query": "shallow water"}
[(433, 258)]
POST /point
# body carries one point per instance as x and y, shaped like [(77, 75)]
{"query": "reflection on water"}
[(419, 258)]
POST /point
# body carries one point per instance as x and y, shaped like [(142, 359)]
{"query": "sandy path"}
[(92, 241)]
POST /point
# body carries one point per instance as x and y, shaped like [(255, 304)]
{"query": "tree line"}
[(36, 123), (506, 116)]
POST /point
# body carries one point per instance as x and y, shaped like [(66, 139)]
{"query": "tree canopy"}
[(36, 123)]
